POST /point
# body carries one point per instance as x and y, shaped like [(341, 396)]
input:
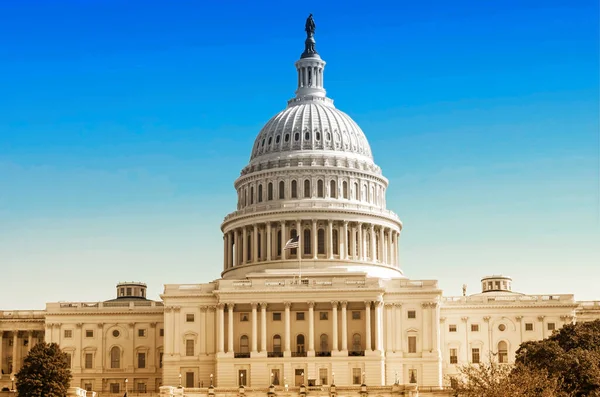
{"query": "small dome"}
[(311, 125)]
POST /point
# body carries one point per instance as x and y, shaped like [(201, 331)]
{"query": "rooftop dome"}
[(310, 123)]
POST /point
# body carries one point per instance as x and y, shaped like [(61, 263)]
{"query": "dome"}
[(310, 126)]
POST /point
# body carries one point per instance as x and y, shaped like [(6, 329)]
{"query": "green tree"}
[(45, 372)]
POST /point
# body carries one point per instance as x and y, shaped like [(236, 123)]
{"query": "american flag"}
[(294, 242)]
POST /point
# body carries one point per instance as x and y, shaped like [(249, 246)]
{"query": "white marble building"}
[(337, 309)]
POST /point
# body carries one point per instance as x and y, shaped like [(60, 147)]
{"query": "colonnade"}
[(343, 240), (17, 341)]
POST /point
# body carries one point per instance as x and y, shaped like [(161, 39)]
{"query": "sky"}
[(123, 125)]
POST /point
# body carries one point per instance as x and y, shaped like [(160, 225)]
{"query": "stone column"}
[(425, 326), (283, 240), (230, 251), (220, 328), (389, 343), (311, 329), (330, 239), (334, 322), (287, 348), (203, 332), (344, 305), (15, 362), (30, 338), (353, 243), (255, 244), (254, 328), (269, 238), (236, 242), (300, 249), (381, 245), (315, 241), (395, 249), (435, 329), (225, 252), (263, 327), (244, 245), (230, 327), (379, 326), (389, 247), (398, 327), (1, 353), (368, 326), (361, 246), (344, 238), (373, 245)]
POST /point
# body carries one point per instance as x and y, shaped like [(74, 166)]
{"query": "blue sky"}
[(124, 124)]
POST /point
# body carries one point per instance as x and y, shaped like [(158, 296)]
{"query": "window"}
[(323, 376), (345, 189), (68, 333), (141, 387), (320, 189), (299, 316), (474, 327), (189, 318), (412, 375), (323, 315), (275, 377), (335, 242), (141, 360), (306, 188), (324, 343), (452, 328), (277, 344), (87, 386), (356, 192), (551, 326), (307, 242), (332, 190), (356, 372), (251, 195), (160, 359), (189, 347), (115, 357), (294, 189), (453, 356), (270, 191), (161, 332), (412, 344), (356, 315), (300, 343), (475, 355), (115, 388), (128, 291), (242, 377), (277, 316), (89, 360), (244, 344), (502, 352), (260, 193), (244, 317), (141, 332), (281, 190), (321, 242), (116, 333), (89, 333), (189, 379), (356, 343), (528, 326), (412, 314), (69, 360)]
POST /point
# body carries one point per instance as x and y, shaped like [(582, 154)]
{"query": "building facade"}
[(330, 307)]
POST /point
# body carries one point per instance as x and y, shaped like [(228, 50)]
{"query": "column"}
[(254, 328), (314, 239), (389, 248), (30, 338), (300, 249), (425, 326), (244, 247), (398, 327), (379, 326), (255, 244), (435, 329), (381, 245), (344, 305), (225, 252), (283, 240), (287, 349), (203, 329), (395, 249), (263, 327), (220, 328), (236, 242), (368, 326), (389, 343), (269, 237), (176, 325), (311, 329), (330, 239), (1, 352), (353, 243), (361, 245), (373, 245), (334, 322), (230, 327), (15, 369), (344, 238)]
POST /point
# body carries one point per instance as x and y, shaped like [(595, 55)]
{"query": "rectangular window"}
[(275, 377), (244, 317), (475, 355), (453, 356), (323, 376), (69, 360), (141, 360), (68, 333), (323, 315), (141, 333), (356, 315), (551, 326), (89, 360), (412, 314), (242, 377), (528, 326), (189, 347), (115, 388), (141, 387), (412, 344), (356, 376), (128, 291), (412, 375), (161, 332), (452, 328), (277, 316), (189, 379), (87, 386), (189, 318), (160, 360), (299, 316), (474, 327), (89, 333)]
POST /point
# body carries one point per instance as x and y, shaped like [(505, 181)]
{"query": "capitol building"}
[(334, 314)]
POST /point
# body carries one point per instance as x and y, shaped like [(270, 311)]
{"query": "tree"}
[(45, 372), (571, 355)]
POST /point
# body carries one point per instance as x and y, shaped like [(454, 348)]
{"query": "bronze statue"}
[(310, 26)]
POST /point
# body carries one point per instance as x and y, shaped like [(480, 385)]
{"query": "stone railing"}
[(64, 306), (504, 299)]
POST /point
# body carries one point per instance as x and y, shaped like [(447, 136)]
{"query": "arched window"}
[(356, 343), (364, 193), (320, 189), (307, 242), (332, 189), (300, 343), (345, 189), (279, 243), (335, 242), (245, 197), (115, 357), (251, 195), (259, 245), (244, 344), (356, 191), (372, 196), (324, 343), (321, 242), (277, 344), (306, 188), (376, 248), (270, 191), (368, 245), (260, 193), (281, 190), (248, 247), (293, 251), (502, 352), (294, 189), (348, 248)]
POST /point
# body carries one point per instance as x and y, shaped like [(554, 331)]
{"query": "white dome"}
[(311, 125)]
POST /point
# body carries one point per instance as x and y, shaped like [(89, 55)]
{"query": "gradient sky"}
[(123, 125)]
